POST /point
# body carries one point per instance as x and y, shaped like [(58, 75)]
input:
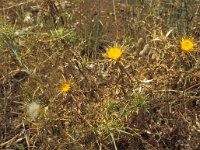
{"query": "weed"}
[(58, 91), (62, 38)]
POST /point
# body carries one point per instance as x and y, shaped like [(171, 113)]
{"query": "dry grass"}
[(148, 99)]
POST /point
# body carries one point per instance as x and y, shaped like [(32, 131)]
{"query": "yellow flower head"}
[(114, 52), (187, 44), (65, 87)]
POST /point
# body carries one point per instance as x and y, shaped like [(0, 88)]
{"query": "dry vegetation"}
[(146, 99)]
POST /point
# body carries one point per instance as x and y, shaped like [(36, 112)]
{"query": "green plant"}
[(9, 40), (62, 37), (116, 114)]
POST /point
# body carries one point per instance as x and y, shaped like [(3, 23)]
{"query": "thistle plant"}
[(33, 110), (65, 87), (187, 44), (62, 37), (114, 53), (9, 41)]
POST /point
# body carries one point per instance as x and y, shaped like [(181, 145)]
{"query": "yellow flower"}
[(65, 88), (187, 44), (114, 52)]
